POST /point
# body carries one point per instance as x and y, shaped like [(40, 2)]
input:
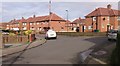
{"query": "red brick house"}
[(3, 25), (39, 23), (102, 19), (78, 23)]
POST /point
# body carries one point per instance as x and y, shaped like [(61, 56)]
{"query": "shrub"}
[(28, 32), (11, 34)]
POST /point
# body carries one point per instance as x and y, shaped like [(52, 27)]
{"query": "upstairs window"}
[(31, 23), (37, 23), (94, 18), (24, 23), (118, 18)]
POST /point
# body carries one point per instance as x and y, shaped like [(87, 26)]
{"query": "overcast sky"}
[(16, 9)]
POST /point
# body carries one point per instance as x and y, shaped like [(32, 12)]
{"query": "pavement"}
[(12, 50)]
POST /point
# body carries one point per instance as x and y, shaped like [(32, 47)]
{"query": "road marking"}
[(95, 59)]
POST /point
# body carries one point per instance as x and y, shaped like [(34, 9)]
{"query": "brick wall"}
[(14, 39), (58, 26)]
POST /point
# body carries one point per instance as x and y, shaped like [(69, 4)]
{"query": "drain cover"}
[(100, 52)]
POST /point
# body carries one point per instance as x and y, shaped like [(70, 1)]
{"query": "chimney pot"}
[(34, 16), (22, 17), (14, 19), (109, 6)]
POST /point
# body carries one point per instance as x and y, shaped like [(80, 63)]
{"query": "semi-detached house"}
[(39, 23), (102, 19)]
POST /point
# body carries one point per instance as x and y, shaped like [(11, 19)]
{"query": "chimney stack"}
[(34, 16), (22, 17), (109, 6), (14, 19)]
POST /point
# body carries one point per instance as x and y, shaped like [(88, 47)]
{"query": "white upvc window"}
[(24, 28), (94, 18), (85, 27), (24, 23), (31, 23), (37, 23), (32, 28), (118, 18), (89, 27)]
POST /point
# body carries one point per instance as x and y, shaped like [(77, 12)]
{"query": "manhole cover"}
[(100, 53)]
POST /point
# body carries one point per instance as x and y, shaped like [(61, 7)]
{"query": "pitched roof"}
[(79, 20), (53, 17), (23, 20), (104, 12)]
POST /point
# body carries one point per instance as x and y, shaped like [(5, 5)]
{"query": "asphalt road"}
[(63, 50)]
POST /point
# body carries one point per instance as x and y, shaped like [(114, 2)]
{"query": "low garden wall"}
[(14, 39)]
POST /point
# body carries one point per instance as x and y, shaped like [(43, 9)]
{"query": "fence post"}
[(30, 37)]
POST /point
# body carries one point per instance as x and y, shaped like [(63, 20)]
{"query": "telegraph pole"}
[(49, 13), (67, 20), (50, 7)]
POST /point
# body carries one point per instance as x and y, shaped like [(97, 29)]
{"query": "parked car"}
[(50, 34), (112, 35)]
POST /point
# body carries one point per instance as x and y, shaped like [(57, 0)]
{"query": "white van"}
[(50, 34)]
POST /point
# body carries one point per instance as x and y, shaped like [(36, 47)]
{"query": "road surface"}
[(63, 50)]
